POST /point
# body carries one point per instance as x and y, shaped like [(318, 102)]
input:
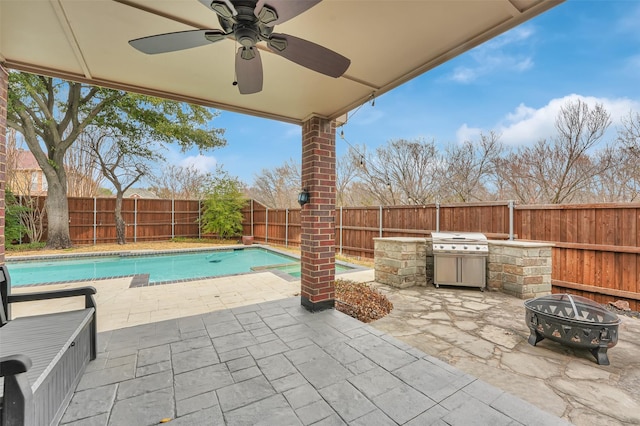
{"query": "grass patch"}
[(18, 248)]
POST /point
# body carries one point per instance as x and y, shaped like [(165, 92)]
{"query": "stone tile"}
[(432, 417), (87, 404), (315, 412), (471, 411), (293, 332), (106, 376), (233, 341), (300, 343), (374, 418), (264, 338), (189, 344), (151, 341), (270, 411), (361, 366), (201, 380), (196, 403), (99, 420), (346, 400), (154, 355), (301, 396), (223, 329), (275, 367), (343, 353), (375, 382), (271, 311), (195, 333), (246, 374), (153, 368), (332, 420), (150, 383), (482, 391), (278, 321), (323, 371), (232, 354), (97, 364), (146, 409), (205, 417), (240, 363), (248, 318), (291, 381), (431, 380), (123, 360), (244, 393), (381, 352), (194, 359), (525, 413), (264, 350), (403, 403), (305, 354)]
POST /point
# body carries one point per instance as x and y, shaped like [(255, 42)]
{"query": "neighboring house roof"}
[(139, 193), (26, 161)]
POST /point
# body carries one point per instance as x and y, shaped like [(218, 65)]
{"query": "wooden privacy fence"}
[(92, 221), (596, 253)]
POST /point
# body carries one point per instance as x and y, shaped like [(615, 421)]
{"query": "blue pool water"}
[(167, 267)]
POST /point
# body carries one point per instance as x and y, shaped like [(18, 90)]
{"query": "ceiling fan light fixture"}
[(267, 15), (222, 9), (278, 44)]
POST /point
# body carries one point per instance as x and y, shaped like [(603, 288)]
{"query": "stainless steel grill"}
[(460, 259)]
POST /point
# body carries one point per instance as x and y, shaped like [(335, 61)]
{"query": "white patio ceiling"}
[(388, 41)]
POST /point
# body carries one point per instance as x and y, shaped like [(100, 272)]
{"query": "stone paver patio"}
[(211, 352)]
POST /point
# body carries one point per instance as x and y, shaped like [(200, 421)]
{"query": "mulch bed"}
[(360, 301)]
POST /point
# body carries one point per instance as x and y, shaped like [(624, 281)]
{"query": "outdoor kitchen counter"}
[(518, 268)]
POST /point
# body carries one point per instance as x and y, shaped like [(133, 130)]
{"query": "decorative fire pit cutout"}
[(574, 321)]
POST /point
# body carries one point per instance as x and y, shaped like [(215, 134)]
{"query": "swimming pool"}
[(160, 268)]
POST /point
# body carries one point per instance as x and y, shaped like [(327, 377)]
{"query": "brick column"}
[(4, 83), (318, 216)]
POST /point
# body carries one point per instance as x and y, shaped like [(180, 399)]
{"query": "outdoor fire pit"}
[(574, 321)]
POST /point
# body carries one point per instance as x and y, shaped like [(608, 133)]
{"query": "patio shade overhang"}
[(389, 42)]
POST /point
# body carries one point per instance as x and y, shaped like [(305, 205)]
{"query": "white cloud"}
[(203, 163), (503, 54), (466, 133), (526, 125)]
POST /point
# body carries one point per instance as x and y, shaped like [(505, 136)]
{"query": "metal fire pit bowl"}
[(574, 321)]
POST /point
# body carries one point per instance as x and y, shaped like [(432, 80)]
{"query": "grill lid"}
[(459, 242)]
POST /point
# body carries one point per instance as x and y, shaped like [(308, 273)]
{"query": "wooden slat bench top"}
[(42, 338)]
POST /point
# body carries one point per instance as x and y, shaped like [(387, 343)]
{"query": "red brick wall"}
[(4, 82), (318, 216)]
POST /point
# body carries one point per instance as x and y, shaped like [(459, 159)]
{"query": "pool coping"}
[(142, 280)]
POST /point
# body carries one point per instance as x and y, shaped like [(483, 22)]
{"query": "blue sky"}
[(513, 84)]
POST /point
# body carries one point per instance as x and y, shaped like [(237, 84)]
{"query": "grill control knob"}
[(477, 247), (465, 247), (441, 247), (453, 247)]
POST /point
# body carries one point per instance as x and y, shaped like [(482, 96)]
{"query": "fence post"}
[(380, 222), (266, 225), (437, 216), (511, 205), (135, 220), (340, 229), (173, 217), (252, 216), (286, 227), (199, 220), (95, 218)]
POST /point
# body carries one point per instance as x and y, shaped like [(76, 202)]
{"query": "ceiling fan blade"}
[(170, 42), (309, 55), (285, 9), (248, 70)]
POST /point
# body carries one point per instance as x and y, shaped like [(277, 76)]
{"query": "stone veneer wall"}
[(401, 262), (519, 268)]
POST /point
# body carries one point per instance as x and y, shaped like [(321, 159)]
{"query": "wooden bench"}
[(42, 357)]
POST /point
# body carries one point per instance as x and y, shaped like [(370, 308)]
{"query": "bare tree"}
[(84, 177), (180, 182), (468, 168), (123, 163), (279, 187), (402, 172), (560, 171), (346, 170)]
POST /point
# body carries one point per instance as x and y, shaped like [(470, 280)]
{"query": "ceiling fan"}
[(249, 22)]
